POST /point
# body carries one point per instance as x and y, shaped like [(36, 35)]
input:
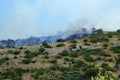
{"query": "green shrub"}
[(67, 59), (46, 57), (99, 37), (73, 45), (116, 49), (53, 61), (85, 40), (26, 61), (105, 66), (90, 72), (16, 52), (110, 34), (2, 61), (27, 52), (87, 44), (74, 54), (21, 48), (89, 59), (98, 58), (13, 73), (46, 45), (105, 45), (96, 39), (60, 45), (38, 73), (42, 50), (6, 58), (58, 57), (61, 40), (73, 41), (117, 63), (79, 64), (31, 55), (10, 51), (54, 67), (95, 52), (64, 53)]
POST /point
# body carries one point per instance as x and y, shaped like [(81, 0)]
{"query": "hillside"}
[(87, 58)]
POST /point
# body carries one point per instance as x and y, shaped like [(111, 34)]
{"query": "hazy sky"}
[(24, 18)]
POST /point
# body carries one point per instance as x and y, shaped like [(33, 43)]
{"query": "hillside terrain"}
[(95, 57)]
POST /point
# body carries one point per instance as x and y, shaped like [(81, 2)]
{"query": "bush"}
[(79, 64), (53, 61), (74, 54), (117, 63), (73, 41), (21, 48), (89, 59), (42, 50), (26, 61), (27, 52), (90, 72), (37, 73), (118, 31), (105, 45), (15, 57), (54, 67), (60, 45), (10, 51), (95, 52), (31, 55), (64, 53), (13, 73), (46, 45), (2, 61), (85, 40), (99, 39), (73, 46), (46, 57), (116, 49), (6, 58), (105, 66), (87, 44), (67, 59), (16, 52), (61, 40), (58, 57)]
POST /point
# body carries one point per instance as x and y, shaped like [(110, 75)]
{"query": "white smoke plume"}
[(79, 27)]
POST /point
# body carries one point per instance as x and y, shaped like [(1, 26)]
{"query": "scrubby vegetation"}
[(60, 45), (46, 45), (116, 49), (58, 62)]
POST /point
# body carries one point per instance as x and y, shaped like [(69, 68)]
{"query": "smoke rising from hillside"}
[(80, 27)]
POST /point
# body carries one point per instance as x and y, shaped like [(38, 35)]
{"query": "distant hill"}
[(50, 39)]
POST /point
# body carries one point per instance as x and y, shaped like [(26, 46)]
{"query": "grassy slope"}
[(41, 62)]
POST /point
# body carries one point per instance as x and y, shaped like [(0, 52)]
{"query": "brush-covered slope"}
[(95, 57)]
